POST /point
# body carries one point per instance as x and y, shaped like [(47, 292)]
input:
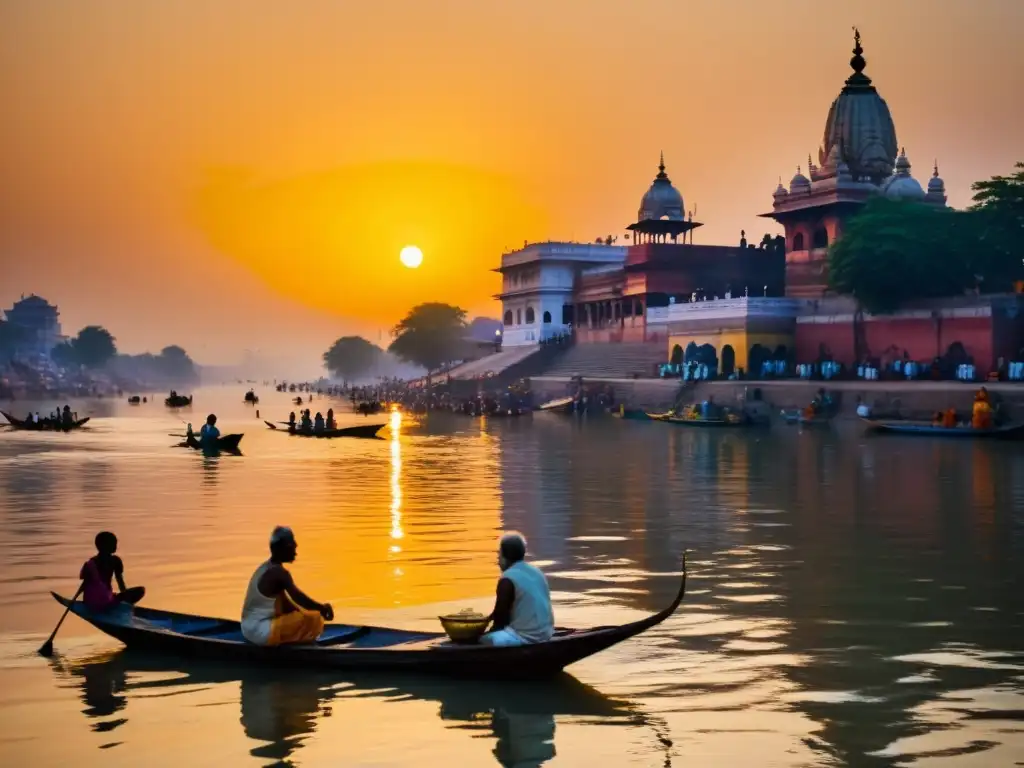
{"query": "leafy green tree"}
[(351, 356), (999, 248), (893, 252), (93, 346), (430, 336)]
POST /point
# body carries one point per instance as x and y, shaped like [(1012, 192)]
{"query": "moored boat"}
[(46, 425), (360, 430), (344, 646), (178, 401), (559, 405), (736, 421), (922, 428)]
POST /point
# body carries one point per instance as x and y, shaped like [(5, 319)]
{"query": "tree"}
[(175, 364), (999, 210), (430, 336), (351, 356), (894, 251), (64, 355), (93, 346)]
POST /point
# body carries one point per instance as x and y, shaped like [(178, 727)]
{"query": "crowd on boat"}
[(983, 414), (57, 419), (275, 611), (314, 424)]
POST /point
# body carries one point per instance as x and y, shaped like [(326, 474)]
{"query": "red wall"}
[(922, 339)]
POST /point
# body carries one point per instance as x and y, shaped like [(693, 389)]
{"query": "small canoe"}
[(343, 646), (682, 421), (1005, 432), (561, 405), (360, 430), (224, 443), (797, 417), (31, 426)]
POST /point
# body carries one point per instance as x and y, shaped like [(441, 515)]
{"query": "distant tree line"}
[(894, 252)]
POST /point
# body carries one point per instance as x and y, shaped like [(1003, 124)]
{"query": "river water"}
[(853, 600)]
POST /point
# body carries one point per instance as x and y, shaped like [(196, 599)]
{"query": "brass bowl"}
[(463, 629)]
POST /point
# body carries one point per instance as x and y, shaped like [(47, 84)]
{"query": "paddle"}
[(270, 424), (47, 647)]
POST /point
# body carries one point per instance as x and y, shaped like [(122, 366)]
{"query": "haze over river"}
[(853, 600)]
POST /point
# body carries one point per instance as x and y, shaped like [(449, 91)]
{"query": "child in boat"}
[(100, 570)]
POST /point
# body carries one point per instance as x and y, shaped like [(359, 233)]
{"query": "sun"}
[(411, 256)]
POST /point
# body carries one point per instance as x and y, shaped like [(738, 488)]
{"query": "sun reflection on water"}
[(396, 480)]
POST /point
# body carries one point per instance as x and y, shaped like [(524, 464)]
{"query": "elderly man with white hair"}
[(522, 609), (276, 611)]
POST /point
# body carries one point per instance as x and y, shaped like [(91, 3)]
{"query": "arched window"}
[(547, 317), (798, 241), (728, 360), (530, 318), (820, 238), (519, 317), (508, 317)]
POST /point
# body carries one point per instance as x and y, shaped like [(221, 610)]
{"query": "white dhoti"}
[(503, 638)]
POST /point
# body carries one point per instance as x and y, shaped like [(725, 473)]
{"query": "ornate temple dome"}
[(662, 200), (799, 184), (860, 126), (901, 185), (936, 186)]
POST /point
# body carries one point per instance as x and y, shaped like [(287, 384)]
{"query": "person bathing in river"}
[(275, 610), (318, 422), (331, 423), (522, 608), (98, 572)]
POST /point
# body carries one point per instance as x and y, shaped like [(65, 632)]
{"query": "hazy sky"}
[(230, 174)]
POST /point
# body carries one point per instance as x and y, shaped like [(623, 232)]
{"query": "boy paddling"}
[(98, 573)]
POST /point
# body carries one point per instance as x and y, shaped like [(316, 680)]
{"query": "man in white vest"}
[(522, 610)]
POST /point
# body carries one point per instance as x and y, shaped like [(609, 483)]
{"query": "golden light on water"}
[(396, 480)]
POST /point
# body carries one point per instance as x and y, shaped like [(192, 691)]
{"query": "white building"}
[(537, 287)]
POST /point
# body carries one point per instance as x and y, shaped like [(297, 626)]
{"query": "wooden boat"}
[(344, 646), (251, 398), (361, 430), (1005, 432), (224, 443), (797, 417), (560, 405), (673, 418), (43, 426), (178, 402)]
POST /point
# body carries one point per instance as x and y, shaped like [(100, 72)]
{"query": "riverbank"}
[(905, 398)]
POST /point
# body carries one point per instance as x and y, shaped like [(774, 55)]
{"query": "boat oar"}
[(47, 647), (270, 424)]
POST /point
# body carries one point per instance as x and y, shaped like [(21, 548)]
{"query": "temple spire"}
[(661, 164)]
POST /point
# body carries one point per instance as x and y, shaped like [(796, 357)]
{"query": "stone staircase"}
[(610, 361), (493, 364)]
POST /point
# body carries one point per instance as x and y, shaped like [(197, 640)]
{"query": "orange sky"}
[(233, 174)]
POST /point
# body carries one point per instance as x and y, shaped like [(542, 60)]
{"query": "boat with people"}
[(795, 416), (174, 400), (358, 647), (223, 443), (297, 430), (1009, 431), (251, 398), (62, 424)]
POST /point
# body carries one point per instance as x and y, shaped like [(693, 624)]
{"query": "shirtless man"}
[(275, 610)]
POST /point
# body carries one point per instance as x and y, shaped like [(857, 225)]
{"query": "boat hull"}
[(1007, 432), (224, 443), (360, 430), (795, 417), (700, 423), (28, 426), (347, 647)]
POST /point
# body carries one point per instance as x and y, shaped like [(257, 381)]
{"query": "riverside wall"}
[(908, 399)]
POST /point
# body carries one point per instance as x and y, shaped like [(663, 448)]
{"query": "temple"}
[(856, 161), (740, 306)]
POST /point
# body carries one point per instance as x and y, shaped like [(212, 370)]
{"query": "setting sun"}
[(411, 256)]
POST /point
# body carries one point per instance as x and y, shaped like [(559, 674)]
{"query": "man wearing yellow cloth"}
[(276, 611)]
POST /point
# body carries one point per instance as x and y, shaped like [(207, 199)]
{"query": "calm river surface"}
[(853, 601)]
